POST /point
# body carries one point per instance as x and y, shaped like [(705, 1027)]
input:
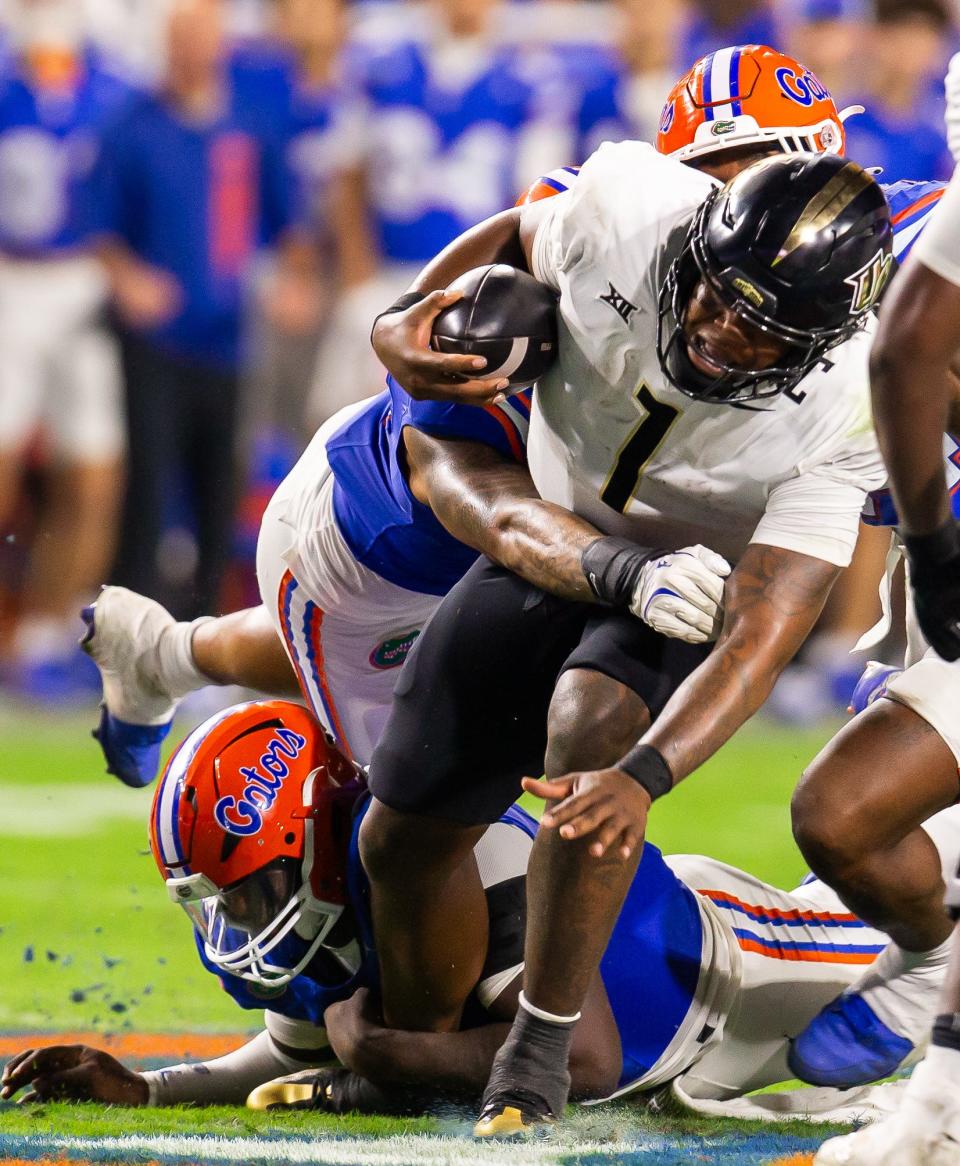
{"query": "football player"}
[(879, 862), (696, 322), (254, 830), (916, 400)]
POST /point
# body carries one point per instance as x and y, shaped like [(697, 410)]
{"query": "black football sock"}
[(946, 1031), (531, 1065)]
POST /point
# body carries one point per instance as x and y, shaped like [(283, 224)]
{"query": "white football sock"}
[(176, 671), (903, 988)]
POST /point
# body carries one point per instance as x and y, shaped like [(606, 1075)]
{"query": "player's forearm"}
[(495, 240), (454, 1061), (543, 544), (226, 1080), (773, 600), (912, 391), (493, 506), (907, 400)]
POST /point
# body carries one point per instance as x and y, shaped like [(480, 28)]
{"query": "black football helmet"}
[(799, 245)]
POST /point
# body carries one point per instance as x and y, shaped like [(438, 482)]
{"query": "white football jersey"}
[(613, 440)]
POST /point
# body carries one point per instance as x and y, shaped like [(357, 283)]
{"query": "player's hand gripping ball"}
[(506, 316)]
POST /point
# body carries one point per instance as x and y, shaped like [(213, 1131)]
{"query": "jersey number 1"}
[(638, 449)]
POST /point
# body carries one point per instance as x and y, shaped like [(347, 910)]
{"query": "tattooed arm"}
[(773, 599), (491, 504)]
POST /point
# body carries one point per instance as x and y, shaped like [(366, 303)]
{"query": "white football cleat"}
[(925, 1131), (124, 631)]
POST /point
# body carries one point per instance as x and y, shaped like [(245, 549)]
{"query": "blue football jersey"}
[(911, 204), (386, 528), (447, 144), (49, 142)]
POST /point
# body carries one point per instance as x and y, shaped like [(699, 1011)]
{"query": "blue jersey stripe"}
[(775, 945), (779, 920)]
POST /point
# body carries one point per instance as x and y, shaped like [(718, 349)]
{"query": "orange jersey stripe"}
[(508, 428), (933, 196), (773, 913), (810, 957)]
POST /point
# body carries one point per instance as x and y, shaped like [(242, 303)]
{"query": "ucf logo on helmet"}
[(869, 282), (245, 816)]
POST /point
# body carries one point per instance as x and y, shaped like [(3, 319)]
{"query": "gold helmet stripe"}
[(824, 207)]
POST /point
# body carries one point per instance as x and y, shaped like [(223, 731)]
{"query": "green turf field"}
[(89, 943)]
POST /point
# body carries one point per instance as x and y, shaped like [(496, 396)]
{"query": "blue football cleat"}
[(132, 752), (872, 685), (846, 1044), (123, 633)]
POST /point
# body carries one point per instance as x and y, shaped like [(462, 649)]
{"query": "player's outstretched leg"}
[(857, 816), (573, 902)]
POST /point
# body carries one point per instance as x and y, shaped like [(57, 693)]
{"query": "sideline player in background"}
[(916, 400), (254, 829), (59, 366)]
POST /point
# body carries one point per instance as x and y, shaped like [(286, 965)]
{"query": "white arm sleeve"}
[(230, 1079), (938, 246)]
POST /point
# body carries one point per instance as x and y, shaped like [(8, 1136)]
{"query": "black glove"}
[(935, 578)]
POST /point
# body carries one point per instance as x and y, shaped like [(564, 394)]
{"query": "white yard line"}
[(399, 1150)]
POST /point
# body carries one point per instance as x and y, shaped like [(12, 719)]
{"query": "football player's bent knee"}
[(593, 721), (392, 841), (831, 834)]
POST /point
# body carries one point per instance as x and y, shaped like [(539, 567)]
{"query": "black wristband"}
[(647, 768), (612, 567), (400, 304), (936, 548), (946, 1031)]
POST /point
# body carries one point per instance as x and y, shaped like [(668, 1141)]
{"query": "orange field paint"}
[(137, 1045)]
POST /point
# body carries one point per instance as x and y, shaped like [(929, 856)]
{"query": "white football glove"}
[(951, 85), (680, 594)]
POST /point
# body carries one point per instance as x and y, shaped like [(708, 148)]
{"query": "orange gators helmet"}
[(250, 828), (750, 95)]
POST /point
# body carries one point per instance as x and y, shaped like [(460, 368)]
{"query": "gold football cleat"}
[(299, 1091), (509, 1121)]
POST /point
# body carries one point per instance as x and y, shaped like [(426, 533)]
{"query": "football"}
[(505, 315)]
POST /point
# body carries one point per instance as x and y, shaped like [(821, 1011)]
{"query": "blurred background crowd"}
[(203, 204)]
